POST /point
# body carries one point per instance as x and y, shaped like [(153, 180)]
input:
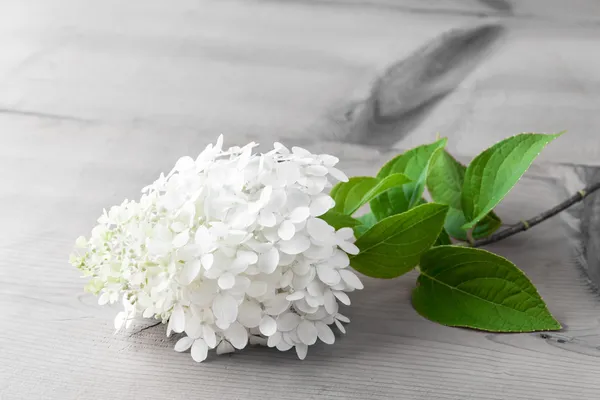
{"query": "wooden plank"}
[(57, 343), (96, 99)]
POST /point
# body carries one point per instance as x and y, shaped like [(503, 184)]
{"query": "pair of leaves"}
[(473, 288), (494, 172), (472, 192), (359, 190), (415, 165), (445, 183)]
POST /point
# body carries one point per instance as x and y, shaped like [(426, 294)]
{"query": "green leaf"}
[(350, 196), (415, 165), (484, 228), (445, 184), (473, 288), (393, 246), (366, 222), (492, 174), (339, 221), (445, 180), (443, 239)]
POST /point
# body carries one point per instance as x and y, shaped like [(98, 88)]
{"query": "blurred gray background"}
[(98, 97)]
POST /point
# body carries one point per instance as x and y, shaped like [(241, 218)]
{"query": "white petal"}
[(274, 339), (301, 350), (348, 247), (328, 275), (224, 347), (193, 327), (297, 199), (286, 230), (320, 230), (343, 297), (296, 245), (278, 200), (250, 314), (283, 346), (267, 326), (209, 336), (286, 337), (303, 306), (249, 257), (207, 261), (307, 332), (226, 281), (271, 234), (302, 267), (199, 350), (287, 322), (286, 279), (337, 174), (258, 247), (301, 281), (184, 163), (267, 262), (312, 301), (315, 288), (286, 259), (331, 305), (265, 195), (320, 205), (189, 272), (178, 319), (181, 239), (257, 289), (317, 170), (299, 214), (342, 318), (267, 218), (317, 252), (237, 335), (295, 296), (219, 145), (277, 304), (324, 332), (222, 324), (103, 299), (225, 308), (351, 279), (281, 149), (328, 160), (148, 312), (120, 319), (202, 237), (340, 326), (301, 153), (183, 344), (339, 259), (345, 234)]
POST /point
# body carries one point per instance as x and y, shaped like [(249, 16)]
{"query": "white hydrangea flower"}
[(229, 250)]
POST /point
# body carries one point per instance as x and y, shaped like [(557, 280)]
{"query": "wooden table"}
[(97, 98)]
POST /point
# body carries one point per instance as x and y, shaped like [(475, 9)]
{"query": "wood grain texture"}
[(98, 98), (55, 342)]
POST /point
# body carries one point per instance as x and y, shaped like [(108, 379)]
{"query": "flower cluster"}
[(228, 249)]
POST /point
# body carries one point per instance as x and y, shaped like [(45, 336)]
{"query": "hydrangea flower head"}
[(228, 249)]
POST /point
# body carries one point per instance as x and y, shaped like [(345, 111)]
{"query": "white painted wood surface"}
[(97, 98)]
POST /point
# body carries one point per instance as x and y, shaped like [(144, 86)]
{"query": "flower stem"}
[(525, 225)]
